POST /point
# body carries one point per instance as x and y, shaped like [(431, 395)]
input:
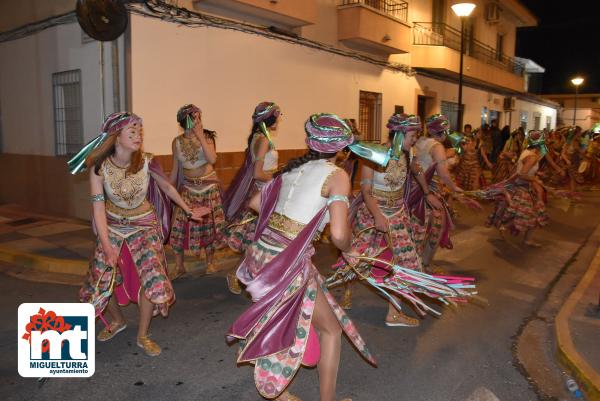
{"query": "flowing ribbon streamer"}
[(407, 283), (77, 163)]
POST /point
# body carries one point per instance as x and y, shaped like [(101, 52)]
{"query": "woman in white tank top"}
[(291, 299), (433, 228), (194, 156), (259, 166)]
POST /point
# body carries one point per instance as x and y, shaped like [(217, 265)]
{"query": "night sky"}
[(566, 42)]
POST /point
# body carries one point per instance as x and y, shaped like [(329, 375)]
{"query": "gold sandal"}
[(150, 347), (287, 396), (402, 320), (233, 283), (177, 274), (346, 302), (211, 268), (112, 330)]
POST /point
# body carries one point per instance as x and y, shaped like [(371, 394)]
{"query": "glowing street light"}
[(462, 10), (576, 81)]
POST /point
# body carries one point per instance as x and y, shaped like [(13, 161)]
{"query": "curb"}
[(567, 353), (79, 268), (42, 263)]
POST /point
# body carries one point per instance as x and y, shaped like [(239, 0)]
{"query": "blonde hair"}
[(107, 149)]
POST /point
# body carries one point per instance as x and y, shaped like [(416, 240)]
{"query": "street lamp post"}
[(462, 10), (576, 81)]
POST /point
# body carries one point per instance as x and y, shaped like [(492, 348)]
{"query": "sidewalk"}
[(40, 247), (578, 331)]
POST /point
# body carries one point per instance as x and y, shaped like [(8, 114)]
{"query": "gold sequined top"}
[(126, 191), (189, 152), (393, 178)]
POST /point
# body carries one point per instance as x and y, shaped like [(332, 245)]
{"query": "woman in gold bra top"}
[(193, 174), (129, 194), (382, 220)]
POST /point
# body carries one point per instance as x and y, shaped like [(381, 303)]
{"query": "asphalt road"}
[(463, 356)]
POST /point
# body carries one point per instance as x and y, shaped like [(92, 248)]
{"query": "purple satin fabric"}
[(414, 199), (238, 190), (268, 286), (160, 200)]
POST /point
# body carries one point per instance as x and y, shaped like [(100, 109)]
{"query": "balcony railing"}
[(440, 34), (395, 8)]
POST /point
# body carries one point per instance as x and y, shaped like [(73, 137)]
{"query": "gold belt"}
[(143, 208), (390, 198), (287, 227), (388, 195), (198, 180)]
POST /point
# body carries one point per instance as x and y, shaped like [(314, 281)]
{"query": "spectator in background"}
[(497, 142), (505, 133), (486, 145)]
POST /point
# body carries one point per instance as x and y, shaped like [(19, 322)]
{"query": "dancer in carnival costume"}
[(431, 220), (589, 166), (259, 166), (193, 174), (526, 209), (381, 219), (468, 172), (554, 143), (571, 155), (130, 202), (277, 333), (507, 160)]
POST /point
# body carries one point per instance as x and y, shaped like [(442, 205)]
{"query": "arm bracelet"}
[(97, 198), (338, 198)]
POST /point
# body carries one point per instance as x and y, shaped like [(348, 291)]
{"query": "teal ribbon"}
[(189, 123), (77, 162), (396, 148), (266, 133), (375, 152), (456, 139)]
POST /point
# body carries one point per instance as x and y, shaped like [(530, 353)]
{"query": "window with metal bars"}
[(450, 110), (68, 120), (369, 116)]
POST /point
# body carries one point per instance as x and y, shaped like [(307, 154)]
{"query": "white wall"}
[(26, 86), (475, 99), (585, 117), (532, 109), (226, 73)]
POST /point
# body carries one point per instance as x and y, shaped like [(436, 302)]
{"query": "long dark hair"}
[(212, 135), (305, 158), (269, 122)]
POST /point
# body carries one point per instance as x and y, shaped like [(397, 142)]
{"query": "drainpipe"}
[(116, 82)]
